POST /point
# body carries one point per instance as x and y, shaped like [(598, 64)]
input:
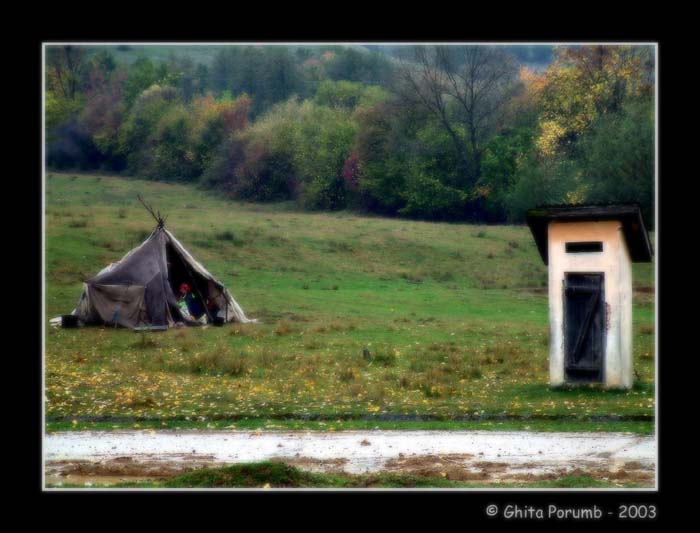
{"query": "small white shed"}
[(590, 250)]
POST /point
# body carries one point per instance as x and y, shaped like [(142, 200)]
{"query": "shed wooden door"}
[(584, 327)]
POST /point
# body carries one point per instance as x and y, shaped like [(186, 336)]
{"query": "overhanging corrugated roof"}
[(629, 215)]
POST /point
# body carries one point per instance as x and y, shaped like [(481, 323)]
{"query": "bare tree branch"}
[(477, 79)]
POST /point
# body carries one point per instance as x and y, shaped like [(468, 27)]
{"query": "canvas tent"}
[(140, 289)]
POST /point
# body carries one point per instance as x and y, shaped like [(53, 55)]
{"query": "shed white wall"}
[(626, 353), (614, 263)]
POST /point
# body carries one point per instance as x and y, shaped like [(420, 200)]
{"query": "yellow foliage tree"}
[(585, 82)]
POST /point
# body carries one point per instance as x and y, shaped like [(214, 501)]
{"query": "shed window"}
[(583, 247)]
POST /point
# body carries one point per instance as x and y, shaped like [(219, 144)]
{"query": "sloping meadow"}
[(359, 316)]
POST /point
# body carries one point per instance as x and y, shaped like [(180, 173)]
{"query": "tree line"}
[(441, 133)]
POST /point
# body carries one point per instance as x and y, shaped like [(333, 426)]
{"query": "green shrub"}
[(227, 235), (384, 357), (218, 362)]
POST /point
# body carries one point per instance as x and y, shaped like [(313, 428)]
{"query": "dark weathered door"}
[(584, 327)]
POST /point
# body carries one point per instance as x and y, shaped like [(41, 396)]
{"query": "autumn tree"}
[(103, 114), (432, 132), (587, 82), (384, 146), (617, 157), (64, 69), (214, 121), (143, 74), (65, 78)]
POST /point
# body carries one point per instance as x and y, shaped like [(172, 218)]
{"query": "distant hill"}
[(534, 56), (198, 53), (128, 53)]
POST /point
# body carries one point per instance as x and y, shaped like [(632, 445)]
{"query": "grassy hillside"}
[(454, 315)]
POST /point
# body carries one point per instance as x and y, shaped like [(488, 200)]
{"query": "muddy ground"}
[(83, 457)]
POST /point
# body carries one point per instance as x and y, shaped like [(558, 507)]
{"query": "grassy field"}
[(454, 316)]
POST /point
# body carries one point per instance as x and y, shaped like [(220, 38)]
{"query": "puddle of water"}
[(522, 453)]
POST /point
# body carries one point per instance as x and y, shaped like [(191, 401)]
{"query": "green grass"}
[(454, 317), (631, 426), (274, 474)]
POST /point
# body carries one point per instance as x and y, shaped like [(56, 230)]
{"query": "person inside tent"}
[(189, 303), (213, 307)]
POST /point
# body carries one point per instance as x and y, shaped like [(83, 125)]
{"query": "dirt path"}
[(480, 456)]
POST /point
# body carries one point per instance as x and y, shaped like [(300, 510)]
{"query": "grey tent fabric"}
[(138, 289), (117, 304)]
